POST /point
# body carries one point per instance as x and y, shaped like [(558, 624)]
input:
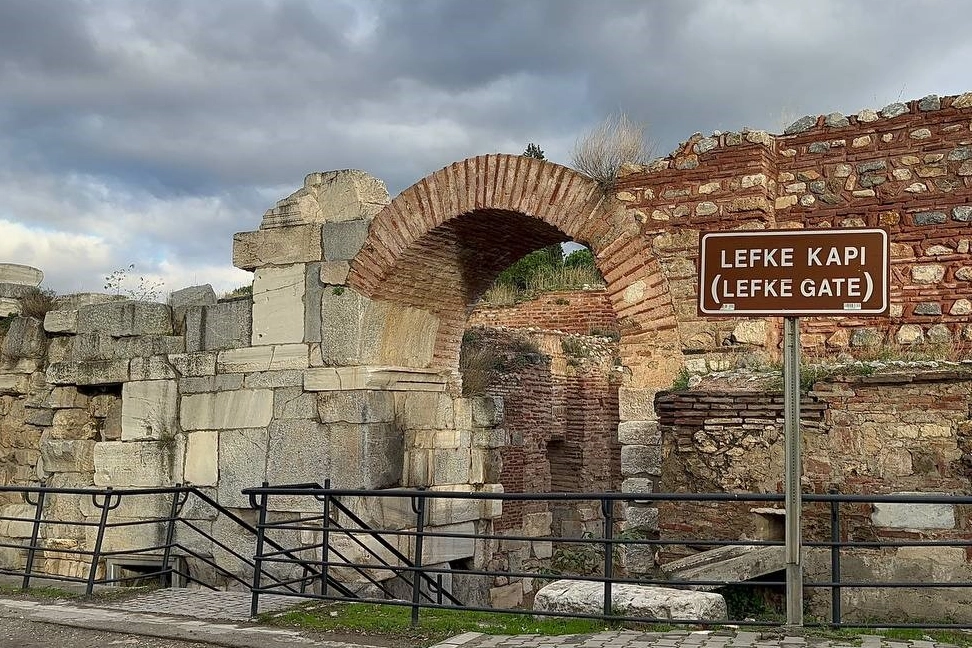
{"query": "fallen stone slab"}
[(16, 273), (734, 563), (641, 601)]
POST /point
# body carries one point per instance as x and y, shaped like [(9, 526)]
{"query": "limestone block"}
[(126, 318), (149, 410), (637, 460), (202, 458), (39, 416), (294, 403), (152, 368), (641, 517), (63, 455), (74, 301), (61, 321), (277, 246), (342, 240), (73, 424), (199, 384), (636, 404), (487, 411), (182, 299), (733, 564), (62, 373), (139, 463), (22, 526), (750, 332), (366, 456), (194, 364), (14, 384), (913, 516), (425, 410), (242, 464), (244, 408), (23, 275), (506, 597), (24, 339), (358, 330), (639, 433), (226, 325), (66, 397), (262, 358), (330, 197), (637, 485), (111, 428), (273, 379), (313, 294), (575, 597), (10, 307), (278, 305), (335, 273), (388, 378), (357, 406), (450, 466), (299, 452), (99, 372)]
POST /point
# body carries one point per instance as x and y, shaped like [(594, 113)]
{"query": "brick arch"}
[(440, 243)]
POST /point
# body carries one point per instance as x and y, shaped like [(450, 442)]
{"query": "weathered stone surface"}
[(962, 213), (801, 125), (273, 379), (913, 516), (24, 339), (636, 404), (930, 218), (72, 424), (149, 410), (262, 358), (910, 334), (893, 110), (750, 332), (15, 273), (574, 597), (639, 433), (330, 197), (245, 408), (836, 120), (961, 307), (66, 455), (277, 246), (929, 102), (866, 337), (202, 458), (155, 367), (126, 318), (343, 240), (226, 325), (143, 463), (294, 403), (313, 294), (299, 452), (733, 564), (365, 456), (334, 273), (637, 460), (357, 406), (928, 308), (927, 273), (939, 334), (22, 525), (242, 464), (100, 372), (9, 307), (278, 305), (180, 300), (61, 321), (198, 384), (426, 411), (194, 364), (867, 115)]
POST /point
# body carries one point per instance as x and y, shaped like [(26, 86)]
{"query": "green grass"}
[(434, 625)]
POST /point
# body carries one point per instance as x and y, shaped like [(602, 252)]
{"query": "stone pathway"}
[(202, 604)]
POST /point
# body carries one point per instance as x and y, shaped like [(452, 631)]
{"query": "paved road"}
[(19, 633)]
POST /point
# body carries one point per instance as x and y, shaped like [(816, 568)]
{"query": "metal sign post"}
[(792, 470)]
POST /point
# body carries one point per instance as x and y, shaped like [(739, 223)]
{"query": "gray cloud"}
[(157, 128)]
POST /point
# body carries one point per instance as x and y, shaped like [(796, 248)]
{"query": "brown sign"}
[(794, 272)]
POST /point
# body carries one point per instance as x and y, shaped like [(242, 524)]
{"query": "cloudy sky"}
[(148, 131)]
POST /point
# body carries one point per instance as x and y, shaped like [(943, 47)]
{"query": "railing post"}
[(34, 533), (326, 537), (170, 536), (607, 508), (835, 560), (258, 558), (419, 509), (99, 539)]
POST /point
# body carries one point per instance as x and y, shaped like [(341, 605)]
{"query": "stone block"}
[(244, 408), (636, 404), (638, 460), (313, 294), (149, 410), (99, 372), (913, 516), (356, 406), (639, 433), (487, 411), (242, 464), (22, 526), (335, 273), (182, 299), (342, 240), (64, 455), (642, 601), (14, 384), (641, 517), (450, 466), (274, 379), (139, 463), (387, 378), (366, 456), (66, 397), (294, 403), (202, 458), (74, 301), (24, 275), (226, 325), (194, 364), (39, 416), (262, 358), (278, 305), (61, 321), (427, 411), (334, 196), (199, 384), (299, 452), (277, 246), (151, 368), (733, 564), (126, 318), (24, 339), (73, 424), (10, 307)]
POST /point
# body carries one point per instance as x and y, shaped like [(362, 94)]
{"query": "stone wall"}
[(898, 432), (584, 312)]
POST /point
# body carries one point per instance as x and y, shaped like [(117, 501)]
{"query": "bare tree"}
[(615, 141)]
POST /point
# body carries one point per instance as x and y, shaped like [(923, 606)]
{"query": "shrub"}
[(36, 302), (616, 141)]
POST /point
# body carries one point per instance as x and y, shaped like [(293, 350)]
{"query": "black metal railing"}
[(423, 584)]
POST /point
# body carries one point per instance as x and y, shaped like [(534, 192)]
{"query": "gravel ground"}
[(19, 633)]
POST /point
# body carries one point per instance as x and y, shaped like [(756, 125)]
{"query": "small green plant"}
[(240, 291), (681, 381), (140, 288), (337, 290), (574, 347), (36, 302)]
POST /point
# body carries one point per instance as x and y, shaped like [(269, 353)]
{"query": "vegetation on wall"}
[(483, 358), (616, 141), (36, 302)]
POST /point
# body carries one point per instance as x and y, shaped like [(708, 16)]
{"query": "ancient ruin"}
[(343, 364)]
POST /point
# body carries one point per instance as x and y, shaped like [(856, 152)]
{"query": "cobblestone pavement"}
[(202, 604)]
